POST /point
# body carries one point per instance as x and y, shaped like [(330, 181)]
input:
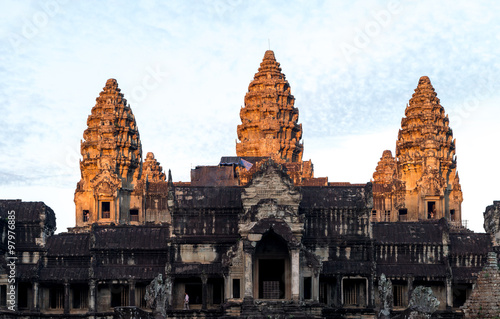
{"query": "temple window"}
[(105, 209), (134, 215), (354, 292), (236, 288), (307, 288), (431, 210), (3, 296), (24, 294), (86, 215), (80, 297), (56, 297), (403, 213), (119, 296), (400, 295)]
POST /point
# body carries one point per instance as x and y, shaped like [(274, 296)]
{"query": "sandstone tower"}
[(269, 125), (111, 164), (269, 119), (422, 181)]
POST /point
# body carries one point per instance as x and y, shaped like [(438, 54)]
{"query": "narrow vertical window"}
[(105, 209), (236, 288)]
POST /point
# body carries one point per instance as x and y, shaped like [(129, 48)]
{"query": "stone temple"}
[(256, 236)]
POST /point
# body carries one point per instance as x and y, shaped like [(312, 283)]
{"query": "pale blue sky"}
[(185, 66)]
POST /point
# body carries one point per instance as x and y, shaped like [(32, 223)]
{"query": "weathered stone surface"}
[(492, 222), (422, 182), (423, 300), (151, 169), (484, 302), (385, 295), (385, 173), (157, 294)]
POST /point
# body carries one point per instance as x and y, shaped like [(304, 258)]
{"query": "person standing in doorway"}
[(186, 302)]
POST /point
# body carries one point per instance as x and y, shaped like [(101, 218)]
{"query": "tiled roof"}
[(416, 270), (208, 197), (196, 269), (333, 196), (131, 237), (69, 273), (465, 273), (347, 267), (27, 211), (126, 272), (465, 244), (68, 244), (408, 232)]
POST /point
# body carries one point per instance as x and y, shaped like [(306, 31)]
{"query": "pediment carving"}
[(431, 183), (105, 183), (271, 188)]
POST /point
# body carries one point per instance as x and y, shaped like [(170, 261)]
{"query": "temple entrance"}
[(271, 279), (272, 268)]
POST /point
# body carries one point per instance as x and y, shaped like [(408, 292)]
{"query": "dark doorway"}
[(271, 278), (194, 291), (236, 288)]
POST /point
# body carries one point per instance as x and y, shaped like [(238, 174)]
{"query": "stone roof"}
[(28, 212), (413, 269), (68, 244), (144, 237), (141, 272), (409, 232), (352, 196), (69, 273), (467, 243), (208, 197)]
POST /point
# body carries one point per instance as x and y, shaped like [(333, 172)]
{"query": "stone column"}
[(170, 297), (204, 293), (449, 293), (370, 291), (92, 296), (295, 275), (315, 285), (410, 289), (131, 293), (227, 287), (339, 291), (248, 275), (66, 298), (36, 306)]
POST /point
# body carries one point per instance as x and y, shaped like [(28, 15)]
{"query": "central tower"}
[(269, 119)]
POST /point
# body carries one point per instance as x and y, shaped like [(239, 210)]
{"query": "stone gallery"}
[(258, 235)]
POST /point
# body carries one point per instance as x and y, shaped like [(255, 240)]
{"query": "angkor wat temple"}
[(256, 235)]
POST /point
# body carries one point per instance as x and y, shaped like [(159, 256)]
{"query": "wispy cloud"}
[(208, 54)]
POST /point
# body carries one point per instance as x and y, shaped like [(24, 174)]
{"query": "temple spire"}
[(269, 119), (111, 161), (427, 184)]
